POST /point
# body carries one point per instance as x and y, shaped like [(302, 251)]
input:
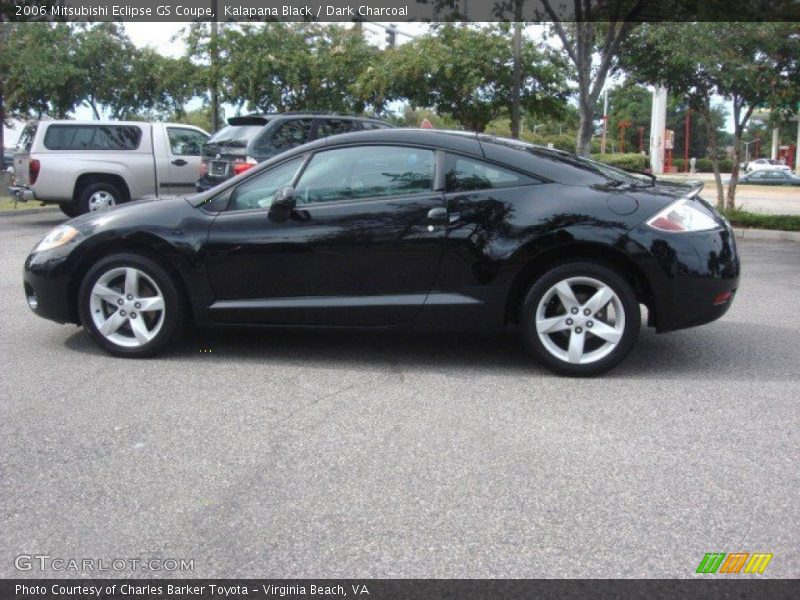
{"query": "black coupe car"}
[(400, 228)]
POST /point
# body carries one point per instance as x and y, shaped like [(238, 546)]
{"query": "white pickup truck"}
[(86, 166)]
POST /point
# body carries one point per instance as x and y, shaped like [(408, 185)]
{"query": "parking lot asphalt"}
[(285, 454)]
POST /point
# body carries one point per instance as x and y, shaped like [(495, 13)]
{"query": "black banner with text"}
[(400, 10), (396, 589)]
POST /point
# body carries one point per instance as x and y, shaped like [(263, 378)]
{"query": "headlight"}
[(63, 234), (682, 216)]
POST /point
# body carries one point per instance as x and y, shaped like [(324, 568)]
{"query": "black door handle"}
[(179, 162), (438, 215)]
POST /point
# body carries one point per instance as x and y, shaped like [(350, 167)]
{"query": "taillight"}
[(722, 298), (203, 168), (241, 167), (34, 166), (682, 216)]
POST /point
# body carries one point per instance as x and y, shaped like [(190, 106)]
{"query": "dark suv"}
[(251, 139)]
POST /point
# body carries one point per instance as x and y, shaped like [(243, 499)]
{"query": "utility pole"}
[(686, 133), (516, 75), (214, 47), (391, 35), (4, 31)]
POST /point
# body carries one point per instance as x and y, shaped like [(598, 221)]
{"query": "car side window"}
[(288, 135), (365, 172), (466, 175), (758, 175), (374, 125), (259, 191), (92, 137), (328, 127), (185, 142)]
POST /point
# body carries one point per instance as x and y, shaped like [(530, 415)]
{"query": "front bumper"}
[(693, 276), (21, 193), (47, 284)]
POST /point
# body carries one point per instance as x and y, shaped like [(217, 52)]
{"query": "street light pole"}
[(686, 141), (214, 69)]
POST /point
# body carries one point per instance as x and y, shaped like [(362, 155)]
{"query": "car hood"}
[(163, 212)]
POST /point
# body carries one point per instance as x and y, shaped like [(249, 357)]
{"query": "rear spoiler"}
[(249, 120)]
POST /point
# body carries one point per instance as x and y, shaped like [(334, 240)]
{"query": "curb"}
[(29, 211), (766, 235)]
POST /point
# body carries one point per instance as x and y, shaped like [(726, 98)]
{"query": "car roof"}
[(264, 118), (49, 122)]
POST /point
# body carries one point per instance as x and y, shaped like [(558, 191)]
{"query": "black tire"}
[(174, 311), (583, 324), (85, 202), (69, 209)]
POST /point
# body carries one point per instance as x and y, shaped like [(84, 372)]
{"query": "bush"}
[(741, 218), (633, 162)]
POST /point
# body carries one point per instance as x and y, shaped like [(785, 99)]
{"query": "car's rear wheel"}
[(130, 305), (580, 319)]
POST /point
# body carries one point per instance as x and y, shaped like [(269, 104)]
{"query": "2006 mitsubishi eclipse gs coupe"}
[(400, 228)]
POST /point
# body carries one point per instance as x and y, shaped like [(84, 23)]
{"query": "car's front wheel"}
[(130, 305), (580, 319)]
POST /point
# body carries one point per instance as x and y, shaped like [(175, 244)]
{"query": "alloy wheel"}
[(127, 307), (580, 320)]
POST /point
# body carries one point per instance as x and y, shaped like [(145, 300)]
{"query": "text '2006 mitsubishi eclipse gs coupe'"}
[(400, 228)]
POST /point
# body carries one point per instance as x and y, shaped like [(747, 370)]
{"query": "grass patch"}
[(7, 204), (742, 218)]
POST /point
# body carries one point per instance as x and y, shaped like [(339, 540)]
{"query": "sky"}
[(160, 37)]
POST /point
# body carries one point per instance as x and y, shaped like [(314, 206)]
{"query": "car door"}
[(184, 150), (361, 247)]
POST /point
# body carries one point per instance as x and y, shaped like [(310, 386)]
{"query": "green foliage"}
[(741, 218), (704, 165), (50, 69), (751, 64), (290, 66), (465, 73), (632, 161)]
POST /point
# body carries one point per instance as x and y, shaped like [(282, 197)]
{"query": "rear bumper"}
[(693, 276), (21, 193)]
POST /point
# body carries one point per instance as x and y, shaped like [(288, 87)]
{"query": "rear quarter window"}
[(466, 174), (25, 142), (92, 137)]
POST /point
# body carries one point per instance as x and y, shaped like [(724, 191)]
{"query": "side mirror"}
[(282, 204)]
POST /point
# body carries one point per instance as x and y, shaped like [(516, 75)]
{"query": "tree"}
[(466, 73), (294, 66), (104, 57), (757, 66), (583, 40)]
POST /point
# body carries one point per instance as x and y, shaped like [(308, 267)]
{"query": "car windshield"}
[(235, 136)]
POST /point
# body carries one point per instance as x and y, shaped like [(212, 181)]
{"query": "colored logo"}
[(735, 562)]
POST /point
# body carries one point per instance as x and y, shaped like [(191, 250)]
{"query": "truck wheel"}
[(69, 209), (99, 196)]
